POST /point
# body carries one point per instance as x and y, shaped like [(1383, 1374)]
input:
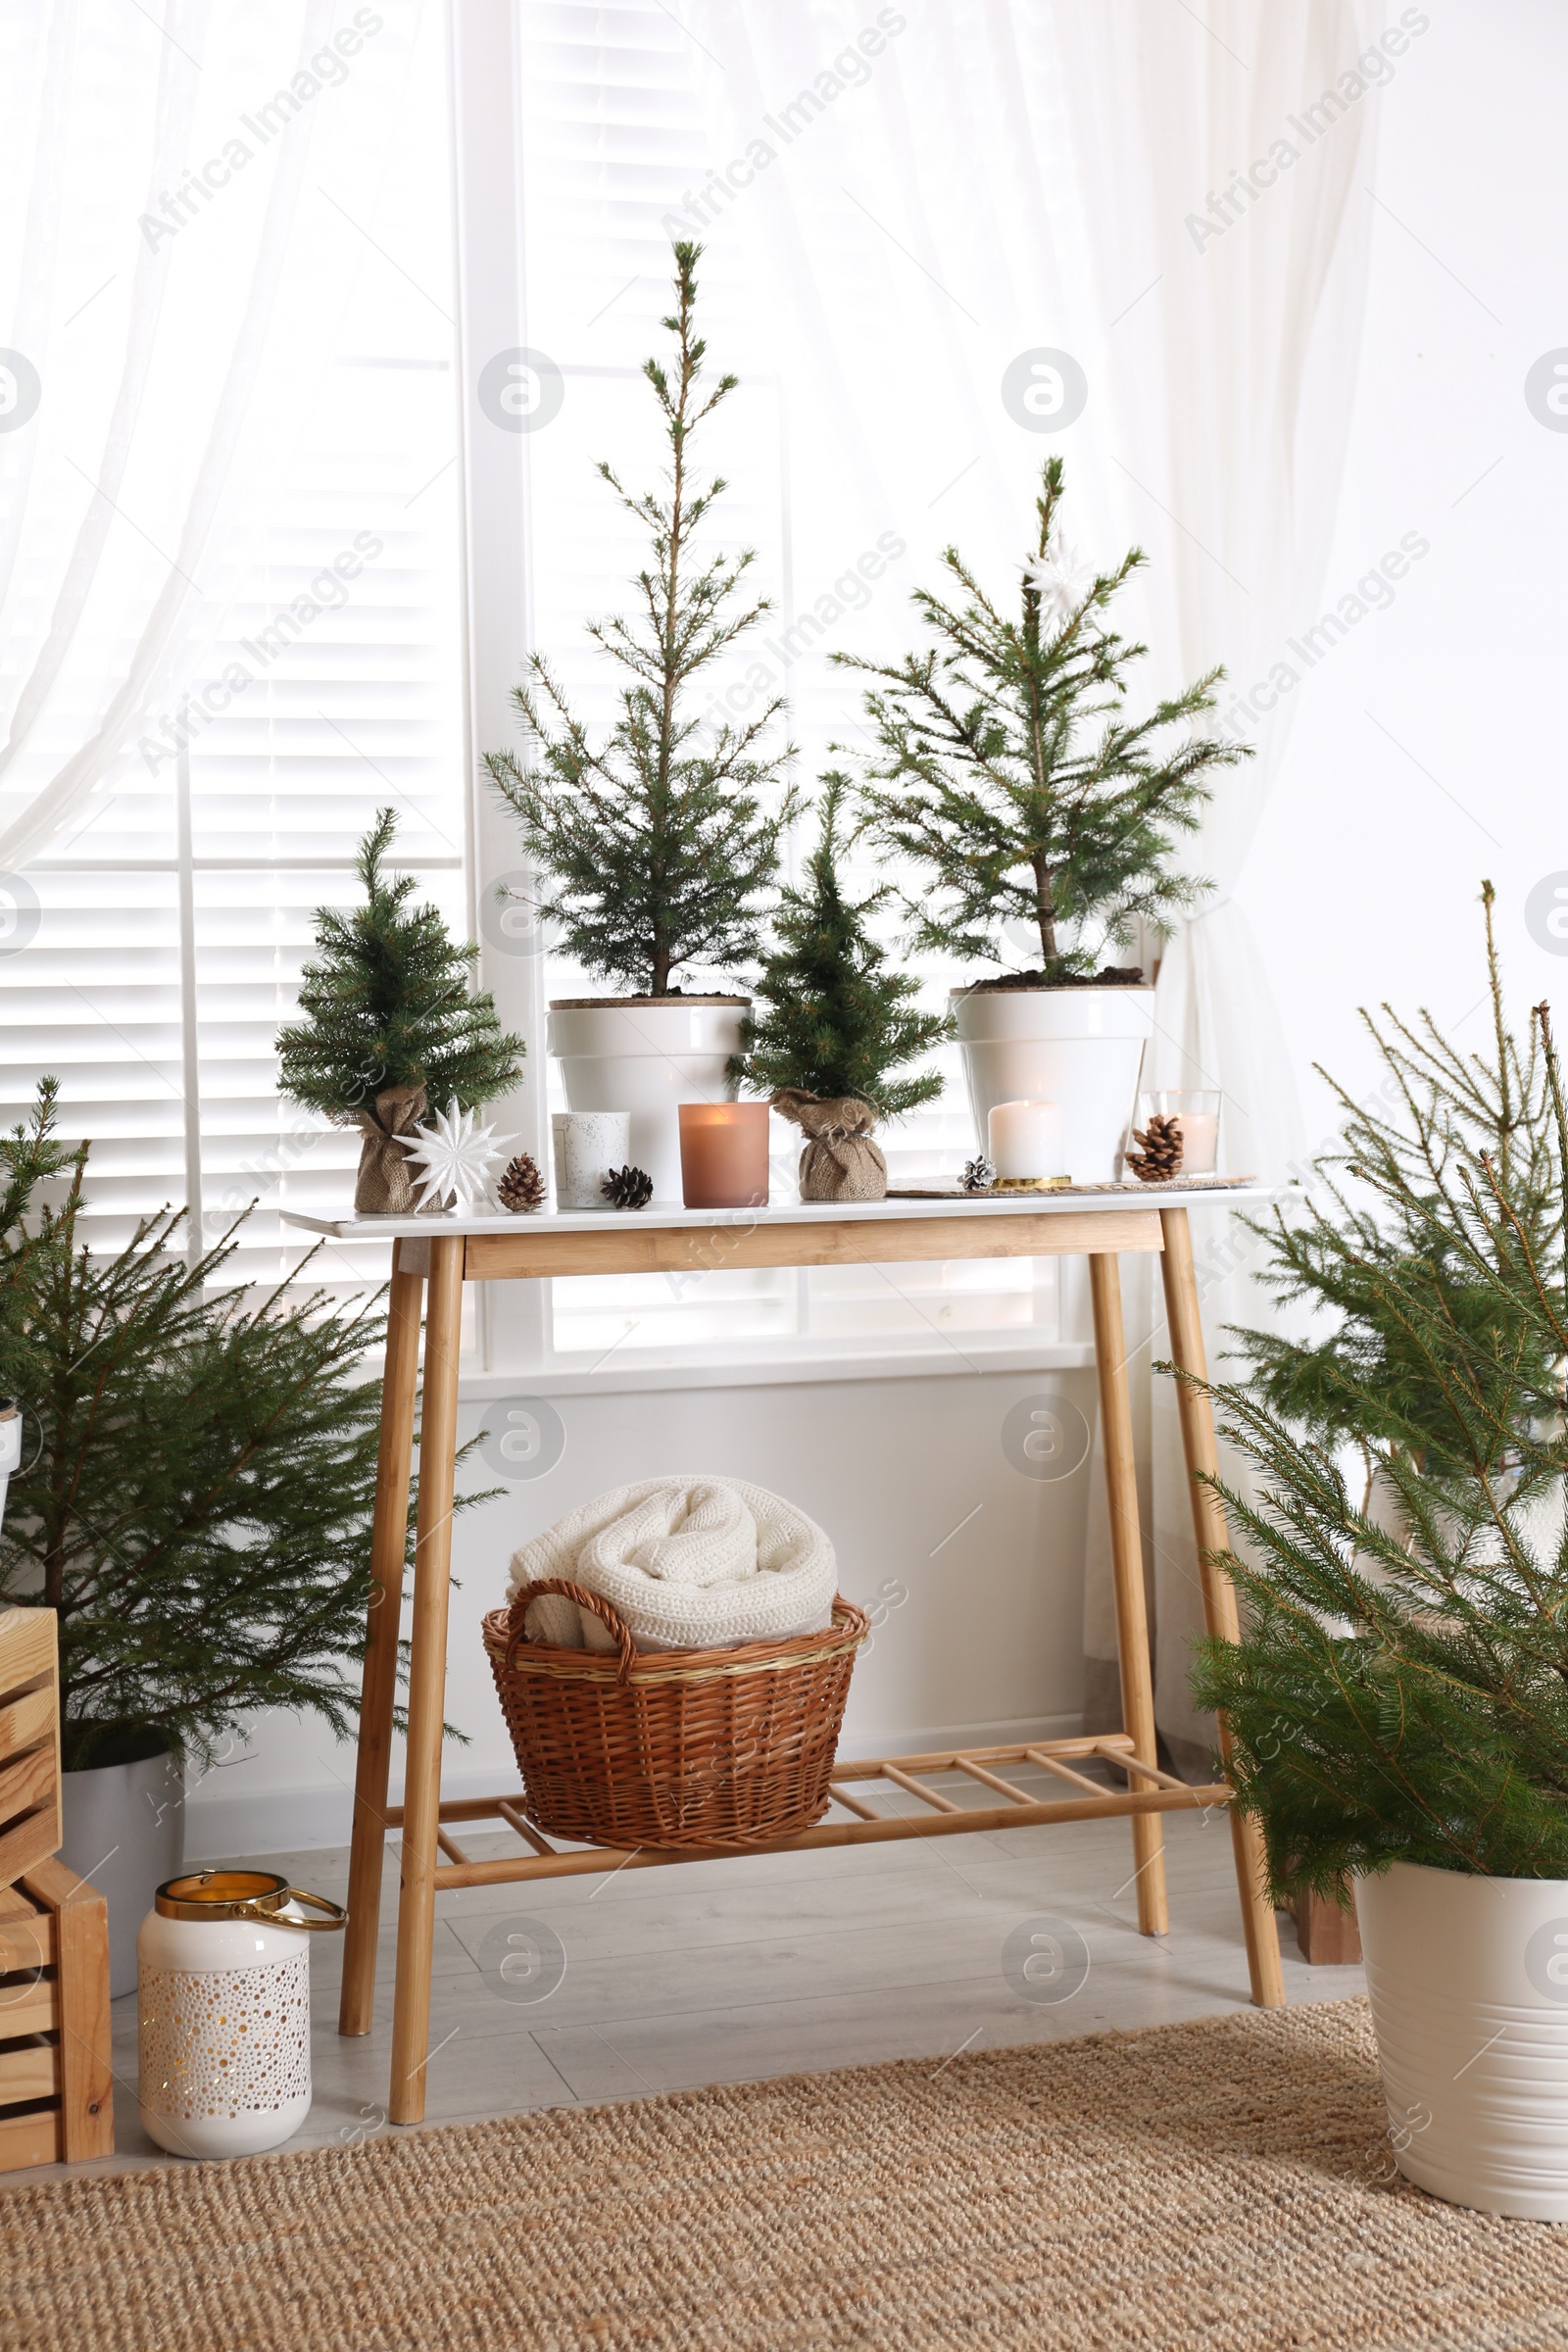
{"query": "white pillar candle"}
[(1024, 1139), (1200, 1132)]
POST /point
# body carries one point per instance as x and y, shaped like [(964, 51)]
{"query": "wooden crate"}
[(55, 2083), (29, 1741)]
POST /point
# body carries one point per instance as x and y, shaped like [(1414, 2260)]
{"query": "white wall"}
[(1428, 749), (987, 1644), (1427, 752)]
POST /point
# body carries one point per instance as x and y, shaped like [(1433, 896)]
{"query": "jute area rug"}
[(1219, 2184)]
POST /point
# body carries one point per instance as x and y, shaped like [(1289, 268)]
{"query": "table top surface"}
[(1094, 1199)]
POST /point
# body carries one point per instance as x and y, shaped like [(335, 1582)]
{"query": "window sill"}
[(697, 1371)]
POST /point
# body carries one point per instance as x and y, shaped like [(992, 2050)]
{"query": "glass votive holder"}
[(1197, 1116), (723, 1155)]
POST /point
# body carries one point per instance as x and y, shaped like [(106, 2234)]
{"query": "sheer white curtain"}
[(902, 181), (1176, 197), (1232, 391), (183, 185)]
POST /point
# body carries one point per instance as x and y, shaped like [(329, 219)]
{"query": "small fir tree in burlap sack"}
[(384, 1186), (831, 1016), (839, 1161), (390, 1023)]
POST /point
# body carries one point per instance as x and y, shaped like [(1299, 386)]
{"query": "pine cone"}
[(522, 1186), (1161, 1154), (978, 1175), (627, 1188)]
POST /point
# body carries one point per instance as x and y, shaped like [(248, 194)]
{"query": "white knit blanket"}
[(688, 1563)]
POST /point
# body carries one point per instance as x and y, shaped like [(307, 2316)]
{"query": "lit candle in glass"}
[(1024, 1141), (723, 1155), (1197, 1116)]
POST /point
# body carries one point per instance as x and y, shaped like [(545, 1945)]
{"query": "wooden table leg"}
[(427, 1678), (1127, 1570), (378, 1689), (1219, 1593)]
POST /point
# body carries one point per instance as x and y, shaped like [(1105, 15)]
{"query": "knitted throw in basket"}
[(688, 1562), (628, 1748)]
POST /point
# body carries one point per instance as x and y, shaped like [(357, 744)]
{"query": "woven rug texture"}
[(1222, 2184)]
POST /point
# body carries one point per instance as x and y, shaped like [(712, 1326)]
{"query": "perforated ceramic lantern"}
[(223, 2011)]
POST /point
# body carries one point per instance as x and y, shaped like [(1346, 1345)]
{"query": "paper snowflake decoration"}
[(459, 1158), (1064, 580)]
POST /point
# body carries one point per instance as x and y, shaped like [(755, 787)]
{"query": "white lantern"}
[(223, 2011)]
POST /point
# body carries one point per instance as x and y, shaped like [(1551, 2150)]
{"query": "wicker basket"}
[(674, 1746)]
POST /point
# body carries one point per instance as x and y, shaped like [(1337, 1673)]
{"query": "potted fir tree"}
[(194, 1504), (393, 1029), (1398, 1701), (1028, 805), (655, 850), (832, 1022)]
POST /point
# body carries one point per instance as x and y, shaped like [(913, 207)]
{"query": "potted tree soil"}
[(832, 1021), (393, 1028), (1398, 1701), (654, 849), (194, 1502), (1032, 807)]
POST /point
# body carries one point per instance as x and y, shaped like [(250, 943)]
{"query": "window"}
[(174, 912), (616, 135)]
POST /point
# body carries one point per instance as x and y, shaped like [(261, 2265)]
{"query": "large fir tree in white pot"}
[(1398, 1701), (194, 1504), (1032, 807), (657, 847)]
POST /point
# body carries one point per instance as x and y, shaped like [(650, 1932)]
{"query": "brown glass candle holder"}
[(723, 1155)]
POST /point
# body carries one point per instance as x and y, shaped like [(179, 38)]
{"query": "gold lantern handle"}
[(336, 1916)]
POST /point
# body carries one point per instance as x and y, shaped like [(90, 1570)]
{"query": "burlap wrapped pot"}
[(839, 1161), (384, 1186)]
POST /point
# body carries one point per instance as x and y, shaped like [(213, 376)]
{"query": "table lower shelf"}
[(1149, 1790)]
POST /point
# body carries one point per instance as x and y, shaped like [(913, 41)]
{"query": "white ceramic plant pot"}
[(1081, 1047), (1468, 1982), (10, 1449), (646, 1055), (224, 2014), (124, 1830)]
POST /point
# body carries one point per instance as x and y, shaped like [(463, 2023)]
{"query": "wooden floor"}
[(727, 1971)]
